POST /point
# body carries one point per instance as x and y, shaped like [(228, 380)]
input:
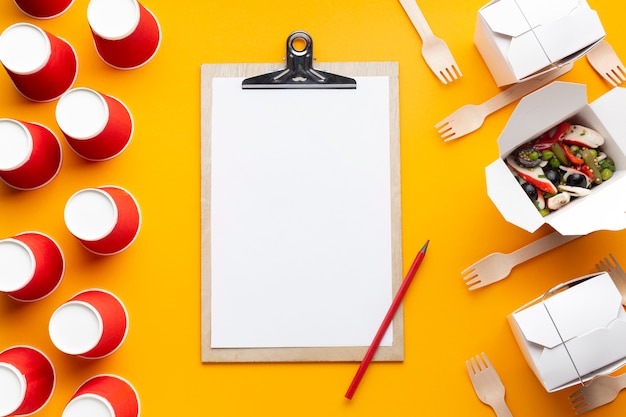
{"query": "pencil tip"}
[(425, 246)]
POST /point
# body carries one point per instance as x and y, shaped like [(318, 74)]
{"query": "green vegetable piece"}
[(547, 155), (592, 163), (606, 173), (607, 164), (544, 211), (555, 162), (560, 154)]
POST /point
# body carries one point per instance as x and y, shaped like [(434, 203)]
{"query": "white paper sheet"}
[(300, 215)]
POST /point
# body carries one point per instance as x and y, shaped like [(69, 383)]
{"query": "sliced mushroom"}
[(557, 201), (575, 191)]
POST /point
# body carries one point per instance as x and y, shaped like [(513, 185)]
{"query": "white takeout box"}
[(520, 39), (537, 113), (575, 334)]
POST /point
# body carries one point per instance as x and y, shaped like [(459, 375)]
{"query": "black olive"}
[(552, 174), (531, 191), (528, 157), (576, 180)]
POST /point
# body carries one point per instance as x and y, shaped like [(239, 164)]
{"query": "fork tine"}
[(443, 127), (617, 75), (617, 265), (610, 77)]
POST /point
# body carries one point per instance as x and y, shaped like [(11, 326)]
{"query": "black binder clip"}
[(299, 72)]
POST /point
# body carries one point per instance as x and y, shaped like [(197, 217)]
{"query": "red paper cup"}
[(43, 9), (41, 66), (126, 34), (32, 266), (96, 126), (104, 396), (92, 324), (105, 220), (27, 380), (30, 154)]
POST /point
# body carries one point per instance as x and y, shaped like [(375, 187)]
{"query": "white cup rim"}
[(77, 228), (99, 398), (103, 28), (64, 120), (29, 69), (61, 344), (22, 381), (31, 268), (29, 144)]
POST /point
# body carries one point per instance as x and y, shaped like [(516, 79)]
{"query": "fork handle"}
[(542, 245), (501, 409), (417, 18), (521, 89)]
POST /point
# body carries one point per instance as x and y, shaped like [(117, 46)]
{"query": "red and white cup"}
[(41, 66), (43, 9), (105, 220), (104, 396), (96, 126), (92, 324), (32, 266), (126, 34), (30, 154), (27, 380)]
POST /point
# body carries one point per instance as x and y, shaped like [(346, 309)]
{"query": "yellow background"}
[(443, 199)]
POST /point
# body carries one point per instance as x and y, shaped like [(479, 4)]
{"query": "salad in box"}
[(563, 161)]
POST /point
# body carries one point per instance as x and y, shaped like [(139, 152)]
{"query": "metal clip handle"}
[(299, 72)]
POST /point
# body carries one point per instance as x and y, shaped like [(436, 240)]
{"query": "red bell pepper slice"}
[(546, 142), (570, 156)]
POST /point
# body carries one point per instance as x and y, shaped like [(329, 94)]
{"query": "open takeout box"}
[(605, 208), (574, 332), (521, 39)]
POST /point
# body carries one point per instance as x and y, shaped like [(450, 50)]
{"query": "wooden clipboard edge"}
[(393, 353)]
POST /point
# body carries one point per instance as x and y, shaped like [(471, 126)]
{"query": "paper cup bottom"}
[(92, 324), (43, 9), (33, 266), (104, 396), (27, 380), (106, 220)]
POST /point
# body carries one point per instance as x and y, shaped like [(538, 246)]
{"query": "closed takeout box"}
[(573, 332), (520, 39), (605, 208)]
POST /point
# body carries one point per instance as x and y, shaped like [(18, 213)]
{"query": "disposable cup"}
[(32, 266), (104, 396), (96, 126), (105, 220), (43, 9), (41, 66), (126, 34), (27, 380), (30, 154), (92, 324)]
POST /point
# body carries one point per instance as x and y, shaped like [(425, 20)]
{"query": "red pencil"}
[(386, 321)]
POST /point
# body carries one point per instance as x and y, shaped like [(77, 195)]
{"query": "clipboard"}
[(213, 75)]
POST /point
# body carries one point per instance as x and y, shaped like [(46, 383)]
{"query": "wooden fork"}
[(605, 61), (471, 116), (497, 266), (488, 385), (601, 390), (616, 272), (434, 50)]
